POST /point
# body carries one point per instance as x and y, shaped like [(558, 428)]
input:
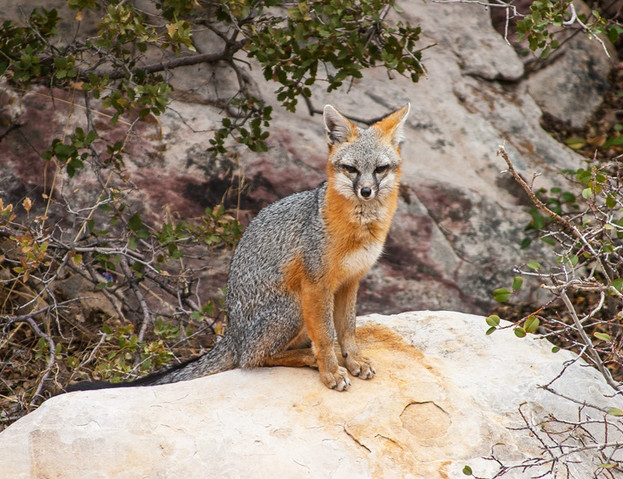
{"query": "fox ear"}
[(339, 128), (392, 126)]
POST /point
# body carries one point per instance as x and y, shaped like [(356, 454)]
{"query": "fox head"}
[(364, 165)]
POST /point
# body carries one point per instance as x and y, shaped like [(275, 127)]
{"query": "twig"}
[(117, 73), (131, 279), (587, 341), (575, 19), (12, 126), (51, 350), (94, 350), (537, 202), (563, 222), (366, 121)]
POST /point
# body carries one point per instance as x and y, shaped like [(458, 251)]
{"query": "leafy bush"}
[(583, 311), (542, 26), (583, 276)]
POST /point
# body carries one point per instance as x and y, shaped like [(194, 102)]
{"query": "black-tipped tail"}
[(220, 358)]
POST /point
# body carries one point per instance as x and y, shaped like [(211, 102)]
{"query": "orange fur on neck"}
[(346, 233)]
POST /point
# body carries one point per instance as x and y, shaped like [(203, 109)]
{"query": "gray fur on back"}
[(258, 305), (262, 315)]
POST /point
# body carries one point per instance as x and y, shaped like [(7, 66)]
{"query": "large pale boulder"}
[(445, 395)]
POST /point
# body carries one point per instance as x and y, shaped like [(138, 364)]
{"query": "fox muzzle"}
[(366, 193)]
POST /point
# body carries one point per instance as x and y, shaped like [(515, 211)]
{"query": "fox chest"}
[(360, 260)]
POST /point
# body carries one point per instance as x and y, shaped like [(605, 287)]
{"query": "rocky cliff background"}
[(458, 229)]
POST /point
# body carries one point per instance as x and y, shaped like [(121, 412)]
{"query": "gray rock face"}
[(457, 232), (576, 74), (445, 395)]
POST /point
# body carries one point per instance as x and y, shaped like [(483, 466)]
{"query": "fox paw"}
[(360, 367), (338, 380)]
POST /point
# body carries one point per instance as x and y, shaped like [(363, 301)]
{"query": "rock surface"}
[(458, 228), (445, 395)]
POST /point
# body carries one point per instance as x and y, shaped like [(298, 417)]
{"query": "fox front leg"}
[(344, 316), (317, 305)]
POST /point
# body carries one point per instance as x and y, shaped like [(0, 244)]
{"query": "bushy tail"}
[(220, 358)]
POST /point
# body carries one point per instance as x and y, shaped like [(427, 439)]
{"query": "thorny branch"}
[(133, 282), (602, 265), (533, 198), (588, 343), (187, 60), (511, 13), (563, 441), (588, 247), (563, 222)]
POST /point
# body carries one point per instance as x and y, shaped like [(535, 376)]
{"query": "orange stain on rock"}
[(408, 428)]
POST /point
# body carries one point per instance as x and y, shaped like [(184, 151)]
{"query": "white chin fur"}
[(360, 261)]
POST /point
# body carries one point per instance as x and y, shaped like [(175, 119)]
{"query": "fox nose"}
[(365, 192)]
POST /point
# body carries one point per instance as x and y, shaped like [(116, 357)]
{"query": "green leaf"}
[(548, 240), (570, 260), (196, 315), (493, 320), (617, 284), (531, 324), (520, 332), (517, 282), (142, 234), (91, 137), (538, 221), (583, 176), (467, 471), (490, 330), (608, 465), (575, 142), (135, 223), (615, 411), (602, 336), (555, 349), (587, 193), (614, 141), (533, 265), (568, 197), (501, 295)]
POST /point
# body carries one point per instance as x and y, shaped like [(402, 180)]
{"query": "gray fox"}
[(294, 276)]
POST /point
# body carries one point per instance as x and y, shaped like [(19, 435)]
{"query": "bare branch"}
[(587, 341), (132, 281), (117, 73)]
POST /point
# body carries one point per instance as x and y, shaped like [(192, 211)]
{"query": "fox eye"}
[(381, 169), (350, 169)]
